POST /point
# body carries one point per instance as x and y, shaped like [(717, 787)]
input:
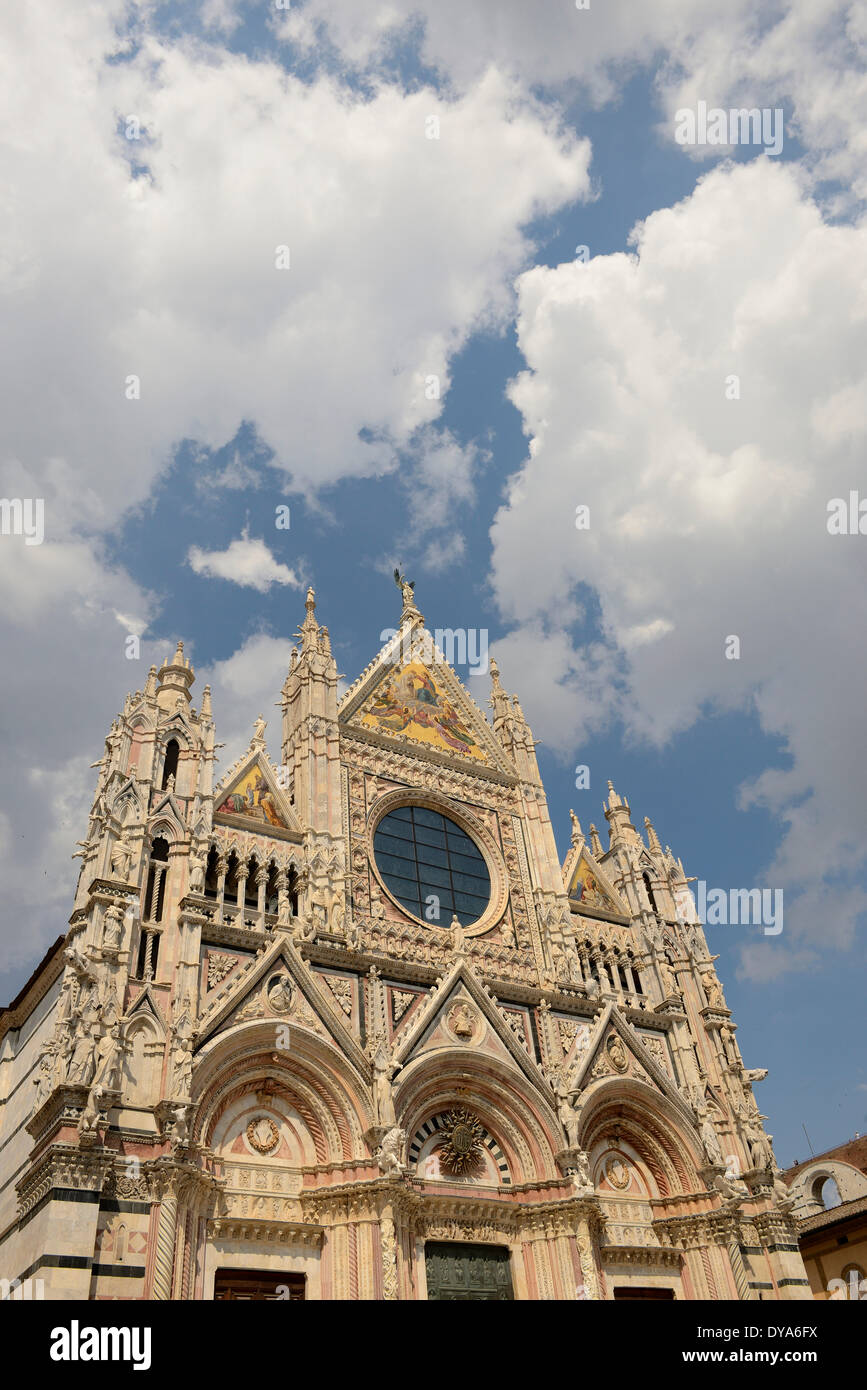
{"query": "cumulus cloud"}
[(267, 249), (682, 393), (807, 58), (246, 562)]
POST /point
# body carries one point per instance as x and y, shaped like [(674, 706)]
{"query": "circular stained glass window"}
[(431, 866)]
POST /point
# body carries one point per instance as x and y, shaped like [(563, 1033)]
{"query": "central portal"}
[(459, 1273), (257, 1285)]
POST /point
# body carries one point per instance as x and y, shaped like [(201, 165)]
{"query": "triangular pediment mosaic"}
[(411, 694), (590, 888), (251, 796)]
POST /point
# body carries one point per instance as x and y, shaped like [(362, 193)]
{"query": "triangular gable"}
[(591, 889), (245, 998), (144, 1003), (250, 797), (439, 1024), (602, 1061), (411, 694)]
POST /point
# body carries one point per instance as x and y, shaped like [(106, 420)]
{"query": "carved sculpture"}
[(112, 927), (121, 858), (389, 1152)]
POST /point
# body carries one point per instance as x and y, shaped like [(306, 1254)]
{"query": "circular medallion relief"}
[(617, 1053), (462, 1023), (280, 994), (617, 1172), (263, 1135)]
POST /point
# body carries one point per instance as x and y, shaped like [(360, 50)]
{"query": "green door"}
[(457, 1272)]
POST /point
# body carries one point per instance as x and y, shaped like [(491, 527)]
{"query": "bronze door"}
[(458, 1272)]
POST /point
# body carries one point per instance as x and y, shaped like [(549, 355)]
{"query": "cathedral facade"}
[(343, 1026)]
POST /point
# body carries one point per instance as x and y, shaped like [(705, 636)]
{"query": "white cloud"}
[(246, 562), (400, 247), (809, 56), (708, 514)]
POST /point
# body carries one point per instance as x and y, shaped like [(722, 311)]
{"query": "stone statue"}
[(389, 1153), (761, 1153), (259, 728), (383, 1097), (90, 1114), (730, 1047), (111, 928), (182, 1059), (108, 1054), (121, 858), (180, 1126), (709, 1136), (83, 1060), (458, 940), (713, 991), (567, 1114), (198, 868), (44, 1079), (666, 975)]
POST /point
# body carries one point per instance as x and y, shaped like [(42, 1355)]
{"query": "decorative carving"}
[(617, 1173), (460, 1149), (389, 1153), (400, 1002), (617, 1053), (219, 966), (280, 994), (463, 1022), (262, 1134), (342, 991)]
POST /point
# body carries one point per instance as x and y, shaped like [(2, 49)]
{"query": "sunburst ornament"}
[(460, 1149)]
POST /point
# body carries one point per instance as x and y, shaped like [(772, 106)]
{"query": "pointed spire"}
[(309, 630), (206, 702), (577, 832), (613, 798), (175, 677), (324, 642), (595, 842), (499, 700), (652, 837)]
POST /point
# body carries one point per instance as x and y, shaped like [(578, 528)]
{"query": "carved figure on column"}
[(121, 858), (667, 977), (458, 940), (91, 1112), (108, 1055), (709, 1136), (388, 1154), (567, 1114), (383, 1097), (713, 990), (182, 1058), (198, 868), (112, 928)]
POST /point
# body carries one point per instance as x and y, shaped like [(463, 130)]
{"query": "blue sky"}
[(706, 522)]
